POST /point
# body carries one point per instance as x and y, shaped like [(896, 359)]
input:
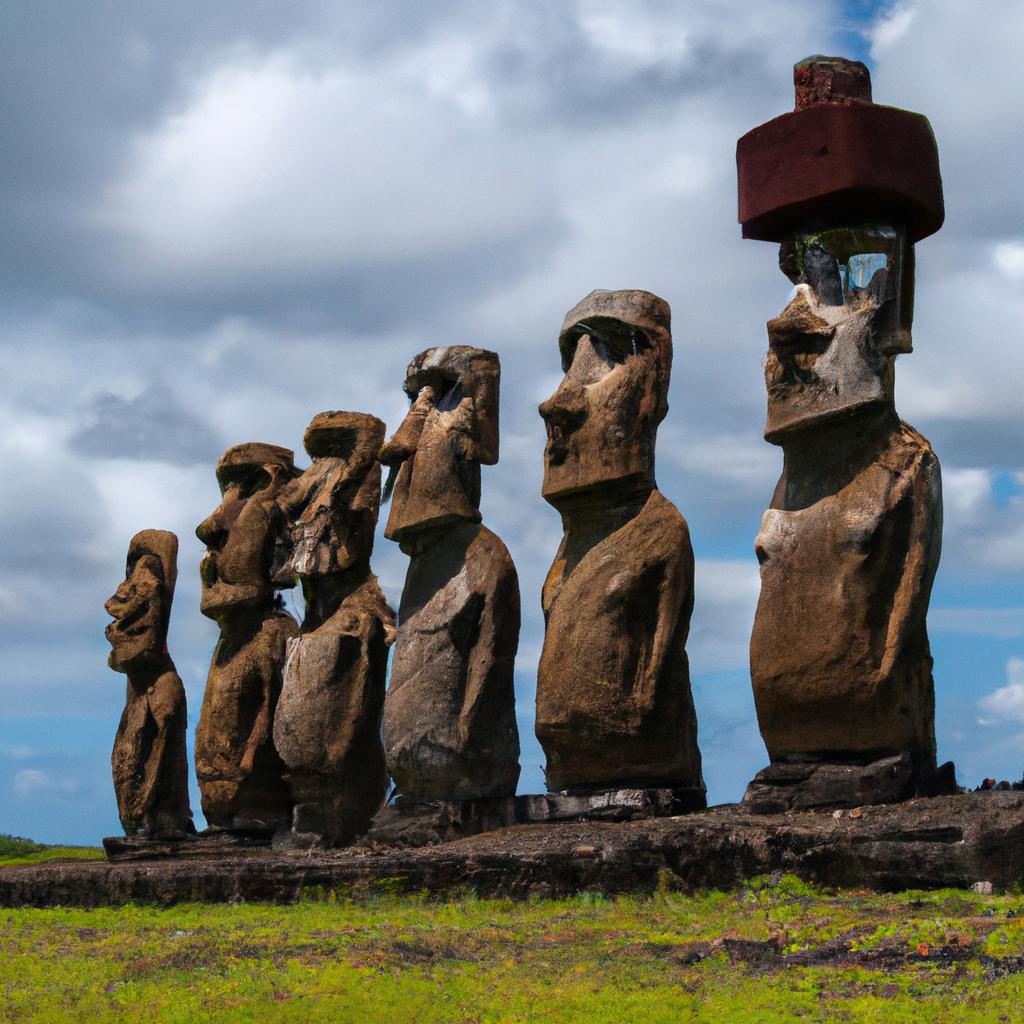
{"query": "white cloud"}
[(891, 27), (272, 170), (1007, 703), (33, 782), (965, 494), (17, 751), (632, 34), (1003, 549), (733, 459), (726, 592), (1008, 258)]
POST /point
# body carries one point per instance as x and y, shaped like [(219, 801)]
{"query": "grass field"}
[(15, 850), (774, 951)]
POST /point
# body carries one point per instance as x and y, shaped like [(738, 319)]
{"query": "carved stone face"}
[(603, 419), (331, 509), (831, 350), (141, 605), (452, 427), (238, 535)]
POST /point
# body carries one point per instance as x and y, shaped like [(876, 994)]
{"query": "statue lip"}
[(208, 575), (122, 624), (557, 447)]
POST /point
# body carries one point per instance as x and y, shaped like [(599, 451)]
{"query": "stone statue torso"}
[(613, 693), (839, 651), (449, 717)]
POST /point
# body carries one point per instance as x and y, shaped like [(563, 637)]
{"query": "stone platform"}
[(427, 823), (926, 843), (816, 786), (213, 843)]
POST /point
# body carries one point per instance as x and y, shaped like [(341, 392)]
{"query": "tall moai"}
[(614, 707), (240, 773), (449, 716), (848, 549), (149, 761), (327, 728)]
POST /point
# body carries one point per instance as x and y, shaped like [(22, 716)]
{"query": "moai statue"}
[(149, 761), (614, 707), (328, 721), (449, 715), (240, 773), (841, 669)]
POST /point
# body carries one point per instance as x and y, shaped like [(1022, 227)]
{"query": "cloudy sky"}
[(220, 219)]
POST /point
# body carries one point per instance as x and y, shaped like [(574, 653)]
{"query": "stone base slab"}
[(811, 785), (623, 804), (211, 843), (927, 843), (411, 823)]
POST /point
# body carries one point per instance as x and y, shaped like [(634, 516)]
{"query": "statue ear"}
[(485, 387), (367, 497)]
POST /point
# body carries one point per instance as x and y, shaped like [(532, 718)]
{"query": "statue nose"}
[(211, 530), (798, 329), (565, 411)]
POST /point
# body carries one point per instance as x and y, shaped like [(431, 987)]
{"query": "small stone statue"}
[(848, 549), (240, 773), (328, 722), (149, 761), (614, 706), (449, 715)]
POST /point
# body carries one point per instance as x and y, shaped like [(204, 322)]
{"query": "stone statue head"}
[(141, 605), (603, 419), (239, 534), (831, 351), (330, 511), (451, 428)]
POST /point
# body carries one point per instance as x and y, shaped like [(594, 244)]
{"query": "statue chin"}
[(128, 659), (225, 598), (568, 489), (785, 423)]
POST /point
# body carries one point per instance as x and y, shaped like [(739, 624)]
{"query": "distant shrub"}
[(16, 846)]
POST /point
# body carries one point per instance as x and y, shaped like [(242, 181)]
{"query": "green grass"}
[(14, 850), (949, 956)]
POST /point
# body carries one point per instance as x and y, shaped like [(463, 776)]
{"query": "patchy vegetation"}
[(14, 850), (775, 951)]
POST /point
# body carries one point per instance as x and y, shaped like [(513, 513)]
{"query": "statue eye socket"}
[(441, 382), (837, 262), (618, 340), (861, 268), (246, 481)]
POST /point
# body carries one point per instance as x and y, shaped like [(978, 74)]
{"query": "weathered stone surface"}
[(239, 771), (821, 79), (449, 716), (149, 761), (427, 823), (932, 843), (328, 719), (613, 688), (210, 844), (412, 823), (838, 158), (842, 670), (848, 548), (608, 805), (785, 787)]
